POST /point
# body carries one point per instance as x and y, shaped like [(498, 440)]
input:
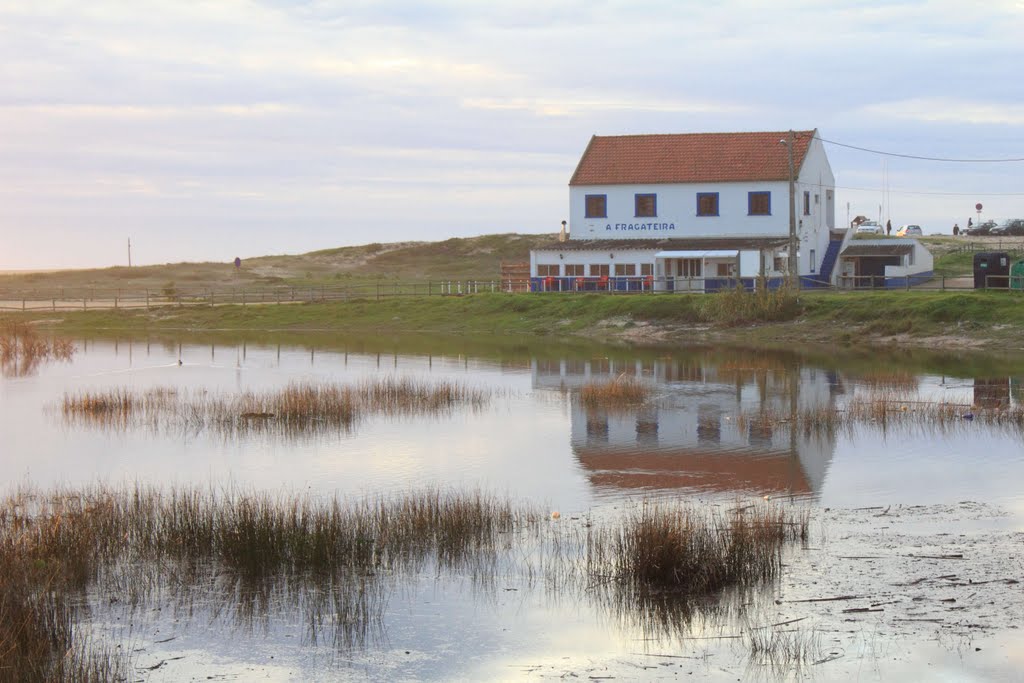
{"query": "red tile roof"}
[(689, 158)]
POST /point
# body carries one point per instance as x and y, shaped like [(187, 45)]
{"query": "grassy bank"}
[(964, 319)]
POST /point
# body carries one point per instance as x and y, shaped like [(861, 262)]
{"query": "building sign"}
[(619, 227)]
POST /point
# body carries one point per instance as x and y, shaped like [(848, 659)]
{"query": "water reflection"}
[(717, 420), (689, 437)]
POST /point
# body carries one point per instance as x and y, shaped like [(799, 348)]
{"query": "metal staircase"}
[(824, 276)]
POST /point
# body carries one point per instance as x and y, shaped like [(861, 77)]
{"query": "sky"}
[(206, 130)]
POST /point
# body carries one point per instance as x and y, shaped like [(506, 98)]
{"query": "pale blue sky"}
[(206, 130)]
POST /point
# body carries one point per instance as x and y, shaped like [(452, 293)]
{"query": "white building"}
[(884, 263), (693, 212)]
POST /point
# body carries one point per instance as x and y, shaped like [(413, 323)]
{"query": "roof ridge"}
[(707, 133)]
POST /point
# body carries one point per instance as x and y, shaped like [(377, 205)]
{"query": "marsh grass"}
[(782, 650), (621, 392), (737, 306), (23, 350), (299, 408), (695, 551), (888, 380), (886, 411), (252, 552), (335, 562)]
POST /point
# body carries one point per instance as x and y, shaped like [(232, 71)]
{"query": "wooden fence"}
[(84, 299), (69, 299)]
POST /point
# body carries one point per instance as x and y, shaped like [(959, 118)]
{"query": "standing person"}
[(969, 223), (956, 230), (888, 227)]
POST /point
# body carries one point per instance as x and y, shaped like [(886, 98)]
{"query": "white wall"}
[(587, 258), (750, 260), (677, 212), (812, 229), (923, 262)]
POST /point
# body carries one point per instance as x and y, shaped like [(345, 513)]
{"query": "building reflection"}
[(992, 393), (691, 434)]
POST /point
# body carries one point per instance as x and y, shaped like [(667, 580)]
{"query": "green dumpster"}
[(1017, 275)]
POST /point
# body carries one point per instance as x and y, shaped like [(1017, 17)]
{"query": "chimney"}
[(562, 236)]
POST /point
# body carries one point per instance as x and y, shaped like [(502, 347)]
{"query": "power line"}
[(922, 158), (935, 194), (920, 192)]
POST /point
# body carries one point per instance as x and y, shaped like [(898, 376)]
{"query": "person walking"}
[(888, 227), (956, 230)]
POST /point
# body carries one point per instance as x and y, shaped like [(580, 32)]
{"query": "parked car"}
[(869, 228), (1014, 226), (982, 229), (909, 231)]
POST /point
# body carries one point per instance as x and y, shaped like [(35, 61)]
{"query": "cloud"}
[(289, 125), (109, 111), (569, 106), (947, 110)]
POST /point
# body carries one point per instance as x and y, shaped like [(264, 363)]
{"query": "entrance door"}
[(690, 274)]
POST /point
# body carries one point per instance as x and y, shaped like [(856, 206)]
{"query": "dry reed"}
[(885, 412), (621, 392), (697, 552), (22, 350), (299, 408), (250, 553), (782, 650)]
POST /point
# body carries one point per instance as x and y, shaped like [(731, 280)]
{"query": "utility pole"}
[(794, 268), (129, 252)]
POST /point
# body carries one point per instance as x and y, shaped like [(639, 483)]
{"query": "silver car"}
[(869, 228)]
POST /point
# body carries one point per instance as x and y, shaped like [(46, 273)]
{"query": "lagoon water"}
[(535, 442)]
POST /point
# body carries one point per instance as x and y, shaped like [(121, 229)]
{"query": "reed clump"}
[(737, 306), (44, 568), (257, 549), (885, 411), (621, 392), (64, 552), (23, 350), (783, 650), (299, 408), (698, 552)]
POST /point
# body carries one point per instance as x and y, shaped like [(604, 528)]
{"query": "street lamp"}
[(794, 272)]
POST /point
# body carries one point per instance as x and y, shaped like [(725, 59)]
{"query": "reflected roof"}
[(773, 470)]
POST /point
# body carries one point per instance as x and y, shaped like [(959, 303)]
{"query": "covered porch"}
[(670, 265), (695, 270)]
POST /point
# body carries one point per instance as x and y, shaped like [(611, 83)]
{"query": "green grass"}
[(954, 257), (965, 318)]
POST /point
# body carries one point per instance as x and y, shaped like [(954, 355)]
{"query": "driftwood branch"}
[(838, 597)]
